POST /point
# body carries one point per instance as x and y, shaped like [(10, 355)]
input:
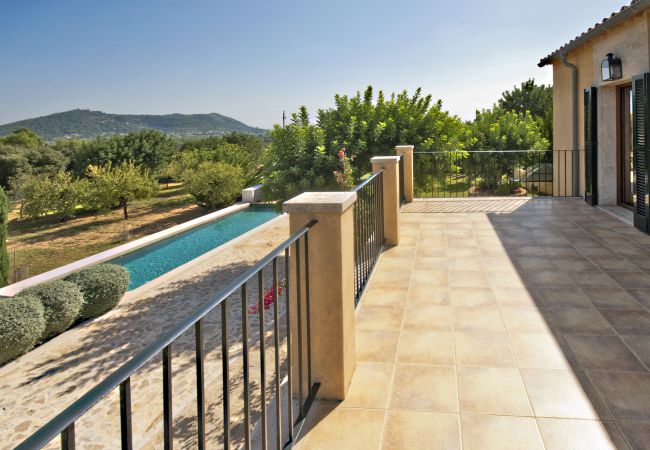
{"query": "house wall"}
[(630, 41)]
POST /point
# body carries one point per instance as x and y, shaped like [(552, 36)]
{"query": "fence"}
[(517, 173), (368, 229), (63, 424)]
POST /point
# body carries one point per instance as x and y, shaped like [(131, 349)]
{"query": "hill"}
[(86, 124)]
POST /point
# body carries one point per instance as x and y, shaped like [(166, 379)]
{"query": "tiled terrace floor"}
[(526, 329)]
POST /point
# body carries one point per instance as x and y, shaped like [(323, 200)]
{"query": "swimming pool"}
[(154, 260)]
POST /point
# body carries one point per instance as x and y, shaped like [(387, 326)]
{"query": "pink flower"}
[(342, 153), (268, 299)]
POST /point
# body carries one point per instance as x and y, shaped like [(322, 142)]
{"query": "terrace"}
[(514, 322)]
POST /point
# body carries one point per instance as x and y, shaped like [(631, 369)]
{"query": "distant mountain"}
[(86, 124)]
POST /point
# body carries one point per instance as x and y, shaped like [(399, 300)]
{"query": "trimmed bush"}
[(22, 322), (62, 301), (102, 287)]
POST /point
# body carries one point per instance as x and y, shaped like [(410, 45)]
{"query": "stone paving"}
[(40, 384), (521, 328)]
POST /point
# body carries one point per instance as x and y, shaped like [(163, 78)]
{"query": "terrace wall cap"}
[(320, 202), (385, 160)]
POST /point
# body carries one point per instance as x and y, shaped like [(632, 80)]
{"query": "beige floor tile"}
[(542, 262), (408, 240), (469, 296), (428, 317), (483, 349), (495, 252), (615, 265), (560, 394), (465, 263), (611, 298), (430, 279), (490, 390), (498, 264), (372, 317), (478, 319), (421, 430), (429, 251), (484, 432), (424, 388), (631, 280), (431, 263), (592, 279), (579, 321), (385, 295), (640, 345), (515, 296), (376, 345), (603, 353), (399, 251), (642, 296), (395, 263), (628, 321), (330, 426), (392, 277), (626, 394), (370, 386), (428, 296), (430, 241), (524, 319), (546, 278), (564, 297), (538, 351), (574, 434), (468, 278), (504, 279), (637, 434), (426, 347), (474, 252)]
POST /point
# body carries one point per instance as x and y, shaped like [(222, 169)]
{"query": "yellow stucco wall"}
[(630, 41)]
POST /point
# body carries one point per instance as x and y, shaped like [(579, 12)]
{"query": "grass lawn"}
[(39, 245)]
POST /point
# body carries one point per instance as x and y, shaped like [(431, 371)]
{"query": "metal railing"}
[(368, 229), (517, 173), (63, 424)]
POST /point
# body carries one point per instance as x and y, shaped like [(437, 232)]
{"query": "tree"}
[(60, 194), (118, 185), (23, 137), (214, 184), (534, 98), (4, 253)]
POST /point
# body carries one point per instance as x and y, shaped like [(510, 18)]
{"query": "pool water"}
[(157, 259)]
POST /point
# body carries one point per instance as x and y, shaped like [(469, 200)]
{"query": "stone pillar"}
[(331, 268), (406, 152), (390, 164)]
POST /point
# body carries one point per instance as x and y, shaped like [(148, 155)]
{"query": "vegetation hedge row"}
[(48, 309), (62, 302), (102, 287), (22, 323)]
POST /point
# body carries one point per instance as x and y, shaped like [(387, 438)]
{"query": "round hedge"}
[(102, 287), (22, 322), (62, 301)]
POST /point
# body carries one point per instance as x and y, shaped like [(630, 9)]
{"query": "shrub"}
[(22, 322), (214, 184), (102, 287), (61, 301), (4, 254)]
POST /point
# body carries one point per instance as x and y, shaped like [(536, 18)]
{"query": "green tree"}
[(119, 185), (214, 184), (23, 137), (4, 253), (59, 194), (534, 98)]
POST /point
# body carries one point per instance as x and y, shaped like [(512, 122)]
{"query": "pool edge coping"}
[(98, 258)]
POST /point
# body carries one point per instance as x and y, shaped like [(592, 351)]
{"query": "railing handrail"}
[(58, 424), (370, 178), (497, 151)]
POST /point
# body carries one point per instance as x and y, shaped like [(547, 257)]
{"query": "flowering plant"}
[(269, 298), (344, 177)]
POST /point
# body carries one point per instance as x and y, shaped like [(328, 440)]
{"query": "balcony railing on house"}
[(368, 229), (296, 363), (517, 173)]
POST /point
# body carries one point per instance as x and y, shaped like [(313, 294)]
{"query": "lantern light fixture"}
[(611, 68)]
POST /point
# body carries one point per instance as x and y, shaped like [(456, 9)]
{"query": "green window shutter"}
[(640, 128), (591, 146)]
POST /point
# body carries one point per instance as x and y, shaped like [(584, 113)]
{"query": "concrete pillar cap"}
[(385, 160), (404, 148), (320, 202)]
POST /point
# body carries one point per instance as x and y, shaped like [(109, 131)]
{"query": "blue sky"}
[(252, 59)]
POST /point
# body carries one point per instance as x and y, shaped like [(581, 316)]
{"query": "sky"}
[(252, 59)]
